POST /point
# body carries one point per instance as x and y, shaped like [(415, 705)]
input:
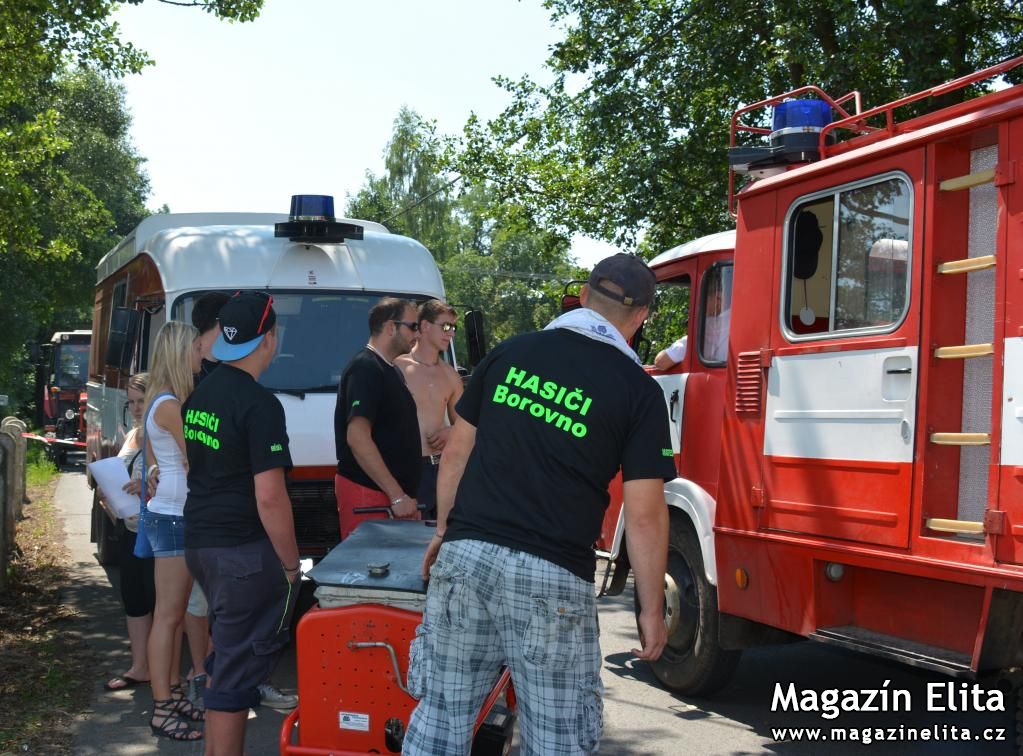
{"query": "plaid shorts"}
[(487, 606)]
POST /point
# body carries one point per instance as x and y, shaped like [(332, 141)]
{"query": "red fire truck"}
[(850, 453)]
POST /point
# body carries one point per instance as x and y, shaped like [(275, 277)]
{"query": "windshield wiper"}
[(301, 392)]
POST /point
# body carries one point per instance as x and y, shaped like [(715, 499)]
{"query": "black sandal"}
[(183, 708), (173, 726)]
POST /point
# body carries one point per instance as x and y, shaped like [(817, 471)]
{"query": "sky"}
[(238, 117)]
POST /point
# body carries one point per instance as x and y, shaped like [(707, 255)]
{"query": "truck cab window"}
[(848, 259), (715, 313), (669, 318)]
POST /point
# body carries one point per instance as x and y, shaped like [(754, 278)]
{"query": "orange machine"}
[(353, 650)]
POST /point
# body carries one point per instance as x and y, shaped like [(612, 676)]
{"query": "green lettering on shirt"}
[(667, 453), (356, 403), (276, 447), (574, 400)]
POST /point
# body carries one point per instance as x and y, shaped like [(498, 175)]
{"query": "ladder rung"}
[(964, 352), (961, 439), (954, 526), (968, 264), (968, 181)]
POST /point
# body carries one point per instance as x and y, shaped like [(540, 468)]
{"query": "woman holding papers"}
[(137, 589)]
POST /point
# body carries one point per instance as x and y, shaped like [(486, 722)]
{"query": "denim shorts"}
[(165, 533)]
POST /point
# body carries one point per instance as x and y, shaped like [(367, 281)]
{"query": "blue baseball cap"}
[(244, 320)]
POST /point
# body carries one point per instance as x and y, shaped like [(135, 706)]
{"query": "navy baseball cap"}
[(630, 274), (244, 320)]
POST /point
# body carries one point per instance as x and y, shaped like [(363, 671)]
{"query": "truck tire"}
[(693, 662), (104, 533)]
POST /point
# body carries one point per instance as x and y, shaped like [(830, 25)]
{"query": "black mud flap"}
[(494, 738)]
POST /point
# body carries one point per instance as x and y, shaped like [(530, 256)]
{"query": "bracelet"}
[(293, 569), (439, 535), (400, 498)]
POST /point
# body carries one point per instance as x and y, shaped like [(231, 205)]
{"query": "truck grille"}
[(315, 511)]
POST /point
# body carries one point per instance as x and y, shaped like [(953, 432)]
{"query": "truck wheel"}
[(104, 533), (693, 661)]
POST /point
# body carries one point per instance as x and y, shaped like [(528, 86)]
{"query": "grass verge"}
[(44, 669)]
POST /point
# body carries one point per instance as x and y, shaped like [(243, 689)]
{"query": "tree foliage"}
[(492, 255), (70, 182), (83, 199), (631, 133)]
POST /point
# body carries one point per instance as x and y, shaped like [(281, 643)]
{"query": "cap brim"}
[(227, 352)]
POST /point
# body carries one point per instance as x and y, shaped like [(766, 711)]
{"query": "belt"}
[(433, 459)]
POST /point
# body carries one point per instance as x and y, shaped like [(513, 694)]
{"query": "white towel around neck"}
[(595, 326)]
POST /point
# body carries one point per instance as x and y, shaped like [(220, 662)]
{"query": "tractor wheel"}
[(693, 662)]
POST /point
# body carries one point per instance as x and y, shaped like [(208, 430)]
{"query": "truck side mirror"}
[(570, 297), (475, 338), (641, 345), (124, 328)]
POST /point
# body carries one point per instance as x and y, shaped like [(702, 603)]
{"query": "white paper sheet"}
[(111, 475)]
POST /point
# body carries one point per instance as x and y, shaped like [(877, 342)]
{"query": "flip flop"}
[(123, 682)]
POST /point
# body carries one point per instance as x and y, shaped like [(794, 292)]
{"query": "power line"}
[(514, 274), (423, 199)]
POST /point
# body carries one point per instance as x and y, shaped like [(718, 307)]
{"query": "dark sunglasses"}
[(447, 327), (411, 326)]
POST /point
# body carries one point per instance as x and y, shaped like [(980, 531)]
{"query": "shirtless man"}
[(436, 387)]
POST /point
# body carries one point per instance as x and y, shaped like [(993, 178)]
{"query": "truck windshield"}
[(317, 334), (71, 365)]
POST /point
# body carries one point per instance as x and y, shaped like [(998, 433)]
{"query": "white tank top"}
[(172, 490)]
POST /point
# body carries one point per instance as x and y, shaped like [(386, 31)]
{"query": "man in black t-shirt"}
[(545, 424), (376, 430), (204, 318), (239, 532)]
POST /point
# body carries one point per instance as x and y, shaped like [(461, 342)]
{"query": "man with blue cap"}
[(239, 531)]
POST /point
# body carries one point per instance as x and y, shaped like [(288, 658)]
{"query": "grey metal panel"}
[(980, 329)]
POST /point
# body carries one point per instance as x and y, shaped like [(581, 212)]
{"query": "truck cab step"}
[(899, 649)]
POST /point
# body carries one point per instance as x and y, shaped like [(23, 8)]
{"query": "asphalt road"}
[(640, 717)]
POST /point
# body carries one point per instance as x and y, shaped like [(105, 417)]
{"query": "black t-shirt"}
[(372, 389), (234, 429), (208, 366), (556, 415)]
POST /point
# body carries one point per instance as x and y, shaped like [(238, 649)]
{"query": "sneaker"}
[(275, 699), (195, 688)]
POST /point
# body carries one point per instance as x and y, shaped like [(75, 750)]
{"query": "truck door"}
[(842, 385)]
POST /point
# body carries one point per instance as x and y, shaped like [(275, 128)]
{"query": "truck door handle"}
[(899, 371), (673, 405)]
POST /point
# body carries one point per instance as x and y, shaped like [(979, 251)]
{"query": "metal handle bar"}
[(394, 659)]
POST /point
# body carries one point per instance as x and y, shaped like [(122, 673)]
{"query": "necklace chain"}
[(427, 364)]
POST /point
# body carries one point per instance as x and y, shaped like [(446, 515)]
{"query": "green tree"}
[(631, 134), (413, 196), (491, 254), (70, 182), (84, 198)]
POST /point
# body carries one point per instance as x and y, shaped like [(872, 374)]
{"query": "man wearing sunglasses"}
[(376, 430), (436, 387)]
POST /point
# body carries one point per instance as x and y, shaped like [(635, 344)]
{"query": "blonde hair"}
[(139, 382), (172, 361)]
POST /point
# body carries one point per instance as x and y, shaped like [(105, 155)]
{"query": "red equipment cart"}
[(352, 650)]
